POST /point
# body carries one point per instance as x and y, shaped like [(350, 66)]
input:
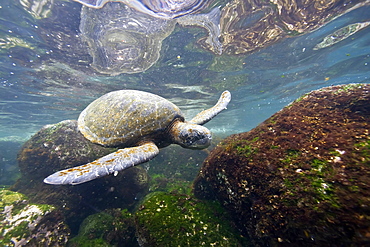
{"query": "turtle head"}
[(190, 135)]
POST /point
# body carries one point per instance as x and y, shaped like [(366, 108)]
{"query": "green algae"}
[(291, 155), (160, 182), (348, 87), (19, 218), (245, 147), (324, 190), (363, 148), (180, 220), (83, 241), (314, 181), (8, 197), (113, 227), (96, 225), (306, 179), (19, 232)]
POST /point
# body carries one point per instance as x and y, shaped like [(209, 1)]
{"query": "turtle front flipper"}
[(111, 163), (206, 115)]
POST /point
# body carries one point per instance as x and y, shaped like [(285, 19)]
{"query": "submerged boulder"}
[(303, 175), (25, 223), (56, 147), (60, 146), (113, 227), (166, 219)]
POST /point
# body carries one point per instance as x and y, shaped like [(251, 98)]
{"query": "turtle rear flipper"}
[(114, 162)]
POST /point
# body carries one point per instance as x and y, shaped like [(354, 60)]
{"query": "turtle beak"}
[(200, 141), (194, 136)]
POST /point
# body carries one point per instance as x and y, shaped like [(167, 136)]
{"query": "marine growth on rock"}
[(302, 177)]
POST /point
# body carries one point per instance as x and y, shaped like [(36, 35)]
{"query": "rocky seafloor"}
[(300, 177)]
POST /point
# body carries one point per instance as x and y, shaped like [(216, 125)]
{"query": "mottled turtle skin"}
[(139, 123)]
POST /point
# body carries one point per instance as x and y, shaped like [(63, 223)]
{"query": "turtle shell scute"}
[(126, 117)]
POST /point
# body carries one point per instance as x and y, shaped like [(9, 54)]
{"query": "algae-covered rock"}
[(59, 146), (78, 202), (302, 177), (56, 147), (112, 227), (26, 223), (180, 220), (160, 182)]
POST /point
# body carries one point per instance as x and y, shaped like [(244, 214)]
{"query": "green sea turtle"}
[(139, 123)]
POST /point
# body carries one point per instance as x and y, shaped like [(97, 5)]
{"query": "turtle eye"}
[(192, 136), (196, 139)]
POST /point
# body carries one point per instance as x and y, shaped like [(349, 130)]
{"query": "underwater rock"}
[(61, 146), (179, 220), (302, 177), (55, 147), (24, 223), (113, 227)]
